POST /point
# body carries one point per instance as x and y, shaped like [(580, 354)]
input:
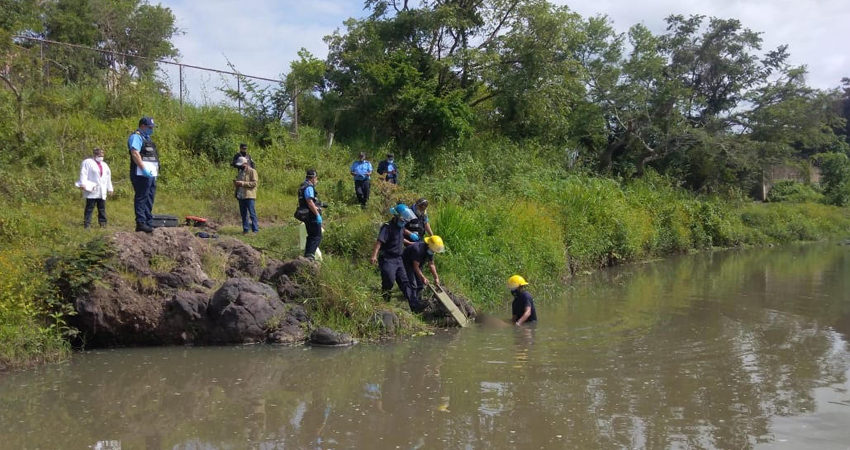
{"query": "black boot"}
[(143, 227)]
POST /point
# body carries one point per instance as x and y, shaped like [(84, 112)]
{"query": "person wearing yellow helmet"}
[(522, 308), (414, 256)]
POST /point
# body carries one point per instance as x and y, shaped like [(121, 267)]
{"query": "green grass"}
[(501, 207)]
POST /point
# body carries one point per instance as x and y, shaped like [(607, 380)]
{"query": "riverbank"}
[(501, 207), (567, 228)]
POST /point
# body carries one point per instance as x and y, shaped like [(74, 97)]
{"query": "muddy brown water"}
[(729, 350)]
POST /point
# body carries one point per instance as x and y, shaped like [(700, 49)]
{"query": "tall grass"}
[(502, 208)]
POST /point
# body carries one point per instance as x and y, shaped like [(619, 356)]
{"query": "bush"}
[(214, 132), (835, 178), (27, 332), (790, 191)]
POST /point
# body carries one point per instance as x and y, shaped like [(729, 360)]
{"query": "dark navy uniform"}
[(417, 225), (522, 299), (390, 170), (391, 237), (418, 252)]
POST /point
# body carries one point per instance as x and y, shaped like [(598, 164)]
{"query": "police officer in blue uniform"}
[(144, 169), (361, 170), (310, 212), (389, 168), (389, 245)]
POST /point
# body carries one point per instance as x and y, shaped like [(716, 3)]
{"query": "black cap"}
[(243, 146), (146, 121), (389, 155), (311, 173)]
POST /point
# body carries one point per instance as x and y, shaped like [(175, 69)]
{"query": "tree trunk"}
[(19, 104)]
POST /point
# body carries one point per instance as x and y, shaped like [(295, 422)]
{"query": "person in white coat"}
[(95, 182)]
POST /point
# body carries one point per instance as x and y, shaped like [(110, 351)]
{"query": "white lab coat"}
[(93, 183)]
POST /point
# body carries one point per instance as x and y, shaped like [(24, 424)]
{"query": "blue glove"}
[(414, 237), (147, 173), (319, 219)]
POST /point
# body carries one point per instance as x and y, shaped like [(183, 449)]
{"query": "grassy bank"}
[(501, 208)]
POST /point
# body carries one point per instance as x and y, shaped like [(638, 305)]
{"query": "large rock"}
[(244, 309), (156, 291), (326, 337), (388, 321), (289, 278), (243, 260)]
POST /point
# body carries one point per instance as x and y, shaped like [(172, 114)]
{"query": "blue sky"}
[(261, 37)]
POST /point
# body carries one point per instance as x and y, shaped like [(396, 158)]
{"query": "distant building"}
[(804, 173)]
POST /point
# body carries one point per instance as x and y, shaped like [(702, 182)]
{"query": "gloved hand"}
[(319, 219), (414, 237), (147, 173)]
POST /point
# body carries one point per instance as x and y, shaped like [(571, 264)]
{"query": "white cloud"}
[(815, 30), (261, 37)]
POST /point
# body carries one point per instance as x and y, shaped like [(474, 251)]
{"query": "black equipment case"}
[(164, 220)]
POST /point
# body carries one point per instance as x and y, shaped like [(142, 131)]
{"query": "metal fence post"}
[(181, 89)]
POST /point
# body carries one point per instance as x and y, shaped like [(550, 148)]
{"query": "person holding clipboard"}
[(144, 169)]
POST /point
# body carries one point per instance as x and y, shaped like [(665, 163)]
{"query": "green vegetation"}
[(546, 160), (794, 192)]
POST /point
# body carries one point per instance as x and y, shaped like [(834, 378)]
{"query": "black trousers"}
[(416, 288), (314, 238), (101, 211), (362, 188), (392, 271)]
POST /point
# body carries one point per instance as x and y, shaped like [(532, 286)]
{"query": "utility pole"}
[(295, 111), (181, 89)]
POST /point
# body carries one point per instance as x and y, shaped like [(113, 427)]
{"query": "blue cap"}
[(146, 121)]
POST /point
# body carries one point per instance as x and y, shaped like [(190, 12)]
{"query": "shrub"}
[(835, 178), (214, 132), (793, 192)]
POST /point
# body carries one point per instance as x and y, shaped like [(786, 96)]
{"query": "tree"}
[(129, 27), (835, 177)]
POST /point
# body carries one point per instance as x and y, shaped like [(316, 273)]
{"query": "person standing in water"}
[(522, 308)]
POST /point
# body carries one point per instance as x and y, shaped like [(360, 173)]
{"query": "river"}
[(725, 350)]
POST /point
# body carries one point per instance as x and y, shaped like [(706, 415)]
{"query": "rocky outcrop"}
[(170, 287)]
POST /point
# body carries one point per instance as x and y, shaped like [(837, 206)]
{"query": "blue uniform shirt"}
[(522, 299), (361, 169), (309, 193), (135, 142)]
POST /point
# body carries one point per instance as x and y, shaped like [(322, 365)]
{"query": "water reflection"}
[(723, 350)]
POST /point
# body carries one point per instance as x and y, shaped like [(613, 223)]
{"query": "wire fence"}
[(181, 67)]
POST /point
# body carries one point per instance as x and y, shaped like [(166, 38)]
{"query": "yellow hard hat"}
[(435, 243), (516, 281)]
